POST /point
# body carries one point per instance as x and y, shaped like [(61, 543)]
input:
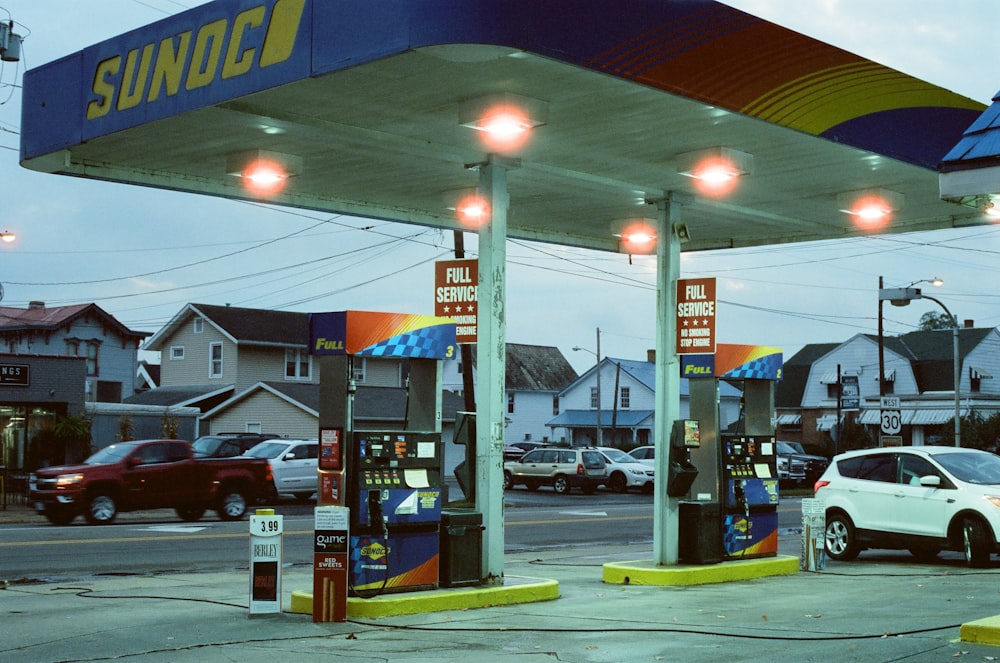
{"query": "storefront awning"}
[(826, 422), (789, 419)]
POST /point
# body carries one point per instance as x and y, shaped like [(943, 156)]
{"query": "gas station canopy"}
[(367, 106)]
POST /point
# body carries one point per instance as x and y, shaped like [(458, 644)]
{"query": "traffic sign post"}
[(891, 419), (265, 562)]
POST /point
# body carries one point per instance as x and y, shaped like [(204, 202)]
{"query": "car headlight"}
[(67, 480), (993, 499), (637, 472)]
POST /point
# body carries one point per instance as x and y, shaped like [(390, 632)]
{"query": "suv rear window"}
[(875, 467), (593, 460)]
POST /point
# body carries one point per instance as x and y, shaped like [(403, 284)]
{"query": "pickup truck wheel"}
[(101, 509), (58, 516), (190, 513), (232, 504)]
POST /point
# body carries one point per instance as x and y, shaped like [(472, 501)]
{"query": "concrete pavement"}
[(883, 607)]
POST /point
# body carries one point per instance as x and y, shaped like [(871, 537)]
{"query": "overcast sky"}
[(142, 254)]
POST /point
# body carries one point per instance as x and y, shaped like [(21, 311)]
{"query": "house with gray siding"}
[(534, 375), (919, 370)]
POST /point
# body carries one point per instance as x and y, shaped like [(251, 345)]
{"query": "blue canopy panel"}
[(700, 49)]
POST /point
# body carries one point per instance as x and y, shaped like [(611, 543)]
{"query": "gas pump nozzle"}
[(375, 514)]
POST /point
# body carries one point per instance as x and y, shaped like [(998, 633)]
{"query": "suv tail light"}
[(819, 484), (580, 470)]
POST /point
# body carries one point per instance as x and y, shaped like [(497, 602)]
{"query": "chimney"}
[(969, 324), (36, 305), (651, 356)]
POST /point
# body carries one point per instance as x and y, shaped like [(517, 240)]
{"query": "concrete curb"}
[(648, 573)]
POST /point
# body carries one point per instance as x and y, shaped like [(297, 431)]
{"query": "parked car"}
[(921, 499), (294, 465), (149, 474), (227, 445), (563, 469), (626, 472), (644, 454), (812, 465)]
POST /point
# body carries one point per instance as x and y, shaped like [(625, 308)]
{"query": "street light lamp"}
[(597, 355), (902, 297)]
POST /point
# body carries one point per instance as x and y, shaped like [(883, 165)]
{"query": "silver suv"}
[(561, 468)]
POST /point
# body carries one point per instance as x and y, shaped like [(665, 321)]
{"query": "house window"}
[(215, 360), (833, 390), (92, 353), (176, 352), (510, 402), (298, 365), (975, 383), (358, 373), (555, 404), (199, 325), (624, 398), (593, 398), (72, 347)]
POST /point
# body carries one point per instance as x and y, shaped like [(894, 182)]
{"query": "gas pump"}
[(390, 480), (750, 482), (737, 486)]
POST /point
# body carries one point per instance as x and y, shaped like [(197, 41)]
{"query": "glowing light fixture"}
[(870, 208), (716, 170), (7, 236), (635, 236), (471, 208), (263, 172), (504, 120)]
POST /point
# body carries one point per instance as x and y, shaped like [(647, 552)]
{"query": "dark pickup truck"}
[(150, 474)]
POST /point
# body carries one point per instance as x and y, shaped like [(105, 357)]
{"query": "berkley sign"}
[(14, 375)]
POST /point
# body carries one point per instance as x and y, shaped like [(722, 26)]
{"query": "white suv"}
[(924, 499), (294, 465)]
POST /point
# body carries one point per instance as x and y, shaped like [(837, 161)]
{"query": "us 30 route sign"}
[(891, 419)]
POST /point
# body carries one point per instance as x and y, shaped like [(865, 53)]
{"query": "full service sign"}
[(456, 296), (696, 316)]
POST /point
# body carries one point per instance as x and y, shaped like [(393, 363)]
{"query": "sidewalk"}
[(881, 608)]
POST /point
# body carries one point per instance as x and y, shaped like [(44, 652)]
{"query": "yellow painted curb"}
[(648, 573), (984, 631), (515, 590)]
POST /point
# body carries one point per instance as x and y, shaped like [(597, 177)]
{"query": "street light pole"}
[(902, 297), (597, 355)]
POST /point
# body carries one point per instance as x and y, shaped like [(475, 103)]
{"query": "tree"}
[(931, 320)]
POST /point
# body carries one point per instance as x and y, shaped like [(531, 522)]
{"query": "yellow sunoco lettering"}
[(207, 52), (103, 88), (194, 58), (169, 68), (281, 32), (238, 60), (133, 85)]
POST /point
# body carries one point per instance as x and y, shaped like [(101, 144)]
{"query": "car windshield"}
[(618, 456), (972, 466), (206, 446), (110, 454), (267, 450)]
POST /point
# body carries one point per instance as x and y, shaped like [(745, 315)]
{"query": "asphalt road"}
[(158, 541)]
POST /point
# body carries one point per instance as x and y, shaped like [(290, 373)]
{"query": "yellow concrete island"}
[(648, 573)]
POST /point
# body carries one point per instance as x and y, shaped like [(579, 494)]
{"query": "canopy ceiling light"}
[(716, 170), (870, 207), (505, 119), (263, 171), (7, 237), (635, 236), (471, 208)]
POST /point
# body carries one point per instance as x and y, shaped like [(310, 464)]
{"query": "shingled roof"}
[(535, 368), (40, 318), (244, 326)]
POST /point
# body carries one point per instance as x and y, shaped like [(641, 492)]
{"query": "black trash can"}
[(461, 554), (699, 533)]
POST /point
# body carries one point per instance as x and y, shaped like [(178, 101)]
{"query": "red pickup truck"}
[(150, 474)]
